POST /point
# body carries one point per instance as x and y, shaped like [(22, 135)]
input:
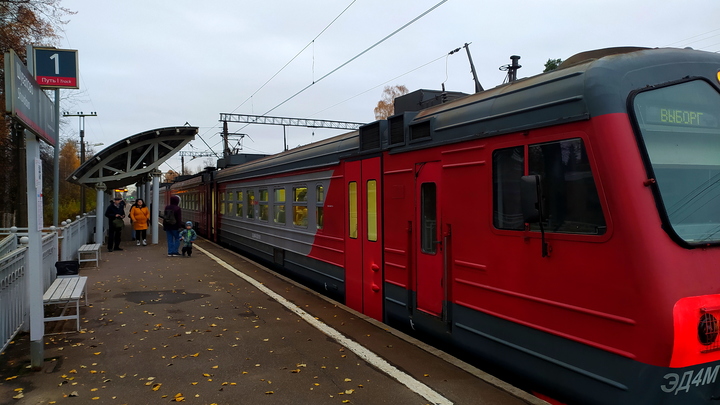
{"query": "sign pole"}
[(34, 256), (56, 168)]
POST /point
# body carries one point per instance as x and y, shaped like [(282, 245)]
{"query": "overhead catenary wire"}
[(277, 73), (379, 85), (359, 55), (295, 57), (684, 41)]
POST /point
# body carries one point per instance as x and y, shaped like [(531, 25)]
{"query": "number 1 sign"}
[(56, 68)]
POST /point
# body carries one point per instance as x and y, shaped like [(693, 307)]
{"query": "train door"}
[(212, 212), (429, 260), (363, 258)]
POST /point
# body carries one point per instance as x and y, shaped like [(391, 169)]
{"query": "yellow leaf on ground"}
[(156, 386)]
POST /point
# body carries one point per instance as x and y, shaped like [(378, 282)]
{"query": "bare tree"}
[(22, 23)]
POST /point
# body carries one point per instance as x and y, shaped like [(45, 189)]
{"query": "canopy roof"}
[(130, 160)]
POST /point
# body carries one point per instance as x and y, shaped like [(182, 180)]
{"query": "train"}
[(563, 228)]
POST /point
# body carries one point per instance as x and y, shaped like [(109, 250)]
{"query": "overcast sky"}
[(153, 64)]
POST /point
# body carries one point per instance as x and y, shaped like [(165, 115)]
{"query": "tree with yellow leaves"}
[(386, 107)]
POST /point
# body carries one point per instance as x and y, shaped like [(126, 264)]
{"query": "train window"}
[(320, 199), (680, 127), (231, 208), (279, 206), (300, 209), (353, 210), (571, 198), (239, 206), (222, 203), (264, 208), (372, 218), (428, 226), (508, 167), (251, 204), (300, 194), (569, 192)]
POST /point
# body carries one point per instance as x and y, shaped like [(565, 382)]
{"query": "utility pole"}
[(81, 117)]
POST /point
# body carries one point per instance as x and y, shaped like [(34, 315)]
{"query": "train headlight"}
[(707, 329)]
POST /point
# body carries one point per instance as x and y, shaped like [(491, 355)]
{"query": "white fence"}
[(57, 245)]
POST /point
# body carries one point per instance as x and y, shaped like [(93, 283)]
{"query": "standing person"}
[(131, 219), (115, 215), (140, 216), (172, 222), (188, 236)]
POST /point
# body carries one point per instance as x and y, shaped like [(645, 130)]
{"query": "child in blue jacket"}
[(187, 237)]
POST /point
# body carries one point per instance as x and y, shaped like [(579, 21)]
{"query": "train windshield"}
[(681, 130)]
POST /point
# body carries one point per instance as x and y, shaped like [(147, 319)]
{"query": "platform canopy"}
[(130, 160)]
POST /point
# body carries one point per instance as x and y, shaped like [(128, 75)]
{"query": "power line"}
[(379, 85), (295, 57), (359, 55), (684, 41)]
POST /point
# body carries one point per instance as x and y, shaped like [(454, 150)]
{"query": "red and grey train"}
[(564, 228)]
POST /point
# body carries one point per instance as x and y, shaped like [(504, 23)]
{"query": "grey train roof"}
[(315, 155), (586, 85)]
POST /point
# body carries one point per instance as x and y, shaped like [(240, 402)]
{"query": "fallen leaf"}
[(269, 392), (156, 386)]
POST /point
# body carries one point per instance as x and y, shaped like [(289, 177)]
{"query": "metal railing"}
[(61, 243), (13, 297)]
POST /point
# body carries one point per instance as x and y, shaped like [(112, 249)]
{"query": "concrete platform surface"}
[(203, 330)]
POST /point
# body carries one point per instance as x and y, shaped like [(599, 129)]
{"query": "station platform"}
[(217, 328)]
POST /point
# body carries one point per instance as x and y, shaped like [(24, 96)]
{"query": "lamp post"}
[(81, 116)]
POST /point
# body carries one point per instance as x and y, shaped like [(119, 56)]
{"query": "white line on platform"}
[(365, 354)]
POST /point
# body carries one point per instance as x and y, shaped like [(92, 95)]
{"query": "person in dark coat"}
[(173, 230), (112, 212)]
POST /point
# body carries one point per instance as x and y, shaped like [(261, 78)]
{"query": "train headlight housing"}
[(707, 329)]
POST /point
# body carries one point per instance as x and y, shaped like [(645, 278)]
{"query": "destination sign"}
[(678, 116)]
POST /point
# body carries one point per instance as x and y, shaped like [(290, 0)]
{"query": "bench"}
[(90, 249), (66, 290)]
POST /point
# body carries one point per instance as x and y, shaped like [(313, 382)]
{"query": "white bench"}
[(90, 249), (66, 290)]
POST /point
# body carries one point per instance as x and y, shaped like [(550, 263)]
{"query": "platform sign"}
[(26, 101), (56, 68)]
